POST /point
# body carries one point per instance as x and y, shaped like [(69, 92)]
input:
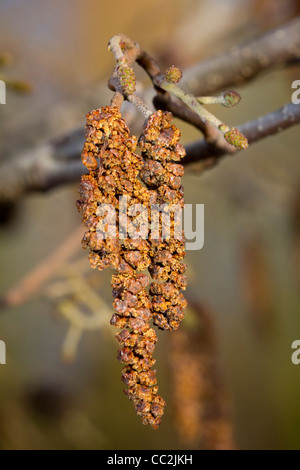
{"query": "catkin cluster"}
[(114, 171)]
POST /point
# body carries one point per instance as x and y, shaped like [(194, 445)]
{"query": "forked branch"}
[(58, 162)]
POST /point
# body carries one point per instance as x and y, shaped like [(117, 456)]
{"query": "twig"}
[(33, 281), (168, 102), (122, 80), (81, 306), (207, 155), (117, 99), (140, 105), (190, 100)]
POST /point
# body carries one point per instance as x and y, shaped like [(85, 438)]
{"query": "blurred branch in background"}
[(43, 168), (243, 62), (58, 162), (74, 297), (35, 279), (201, 409), (80, 305)]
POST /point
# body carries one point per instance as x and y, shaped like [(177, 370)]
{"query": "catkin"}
[(160, 149), (153, 178)]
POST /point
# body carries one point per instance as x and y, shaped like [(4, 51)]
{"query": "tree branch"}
[(244, 62), (35, 279), (59, 162), (43, 168), (123, 80), (207, 154)]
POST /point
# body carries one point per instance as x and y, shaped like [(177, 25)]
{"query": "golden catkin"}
[(153, 178), (160, 149)]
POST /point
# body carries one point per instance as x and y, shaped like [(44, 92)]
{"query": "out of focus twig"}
[(80, 305), (33, 281), (245, 61)]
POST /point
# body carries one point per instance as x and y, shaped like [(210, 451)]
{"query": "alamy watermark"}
[(2, 352), (295, 358), (2, 92), (296, 94), (157, 221)]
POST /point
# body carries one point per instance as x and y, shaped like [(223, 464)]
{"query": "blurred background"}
[(227, 376)]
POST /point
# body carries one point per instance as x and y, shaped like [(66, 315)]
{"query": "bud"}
[(173, 74), (127, 79), (223, 127), (231, 98), (236, 138)]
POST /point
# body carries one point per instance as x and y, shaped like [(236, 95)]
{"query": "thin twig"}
[(191, 101), (207, 155), (140, 105), (33, 281), (123, 80), (117, 99), (167, 102), (120, 45), (82, 307)]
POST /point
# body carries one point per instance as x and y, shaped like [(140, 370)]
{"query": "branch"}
[(209, 121), (123, 82), (122, 79), (207, 154), (244, 62), (82, 307), (34, 280), (59, 162), (43, 168)]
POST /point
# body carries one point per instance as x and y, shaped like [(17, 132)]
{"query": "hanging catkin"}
[(160, 148), (115, 171)]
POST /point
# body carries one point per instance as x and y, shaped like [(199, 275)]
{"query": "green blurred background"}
[(247, 274)]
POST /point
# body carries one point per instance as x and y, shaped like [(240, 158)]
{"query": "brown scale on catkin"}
[(113, 171), (160, 147)]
